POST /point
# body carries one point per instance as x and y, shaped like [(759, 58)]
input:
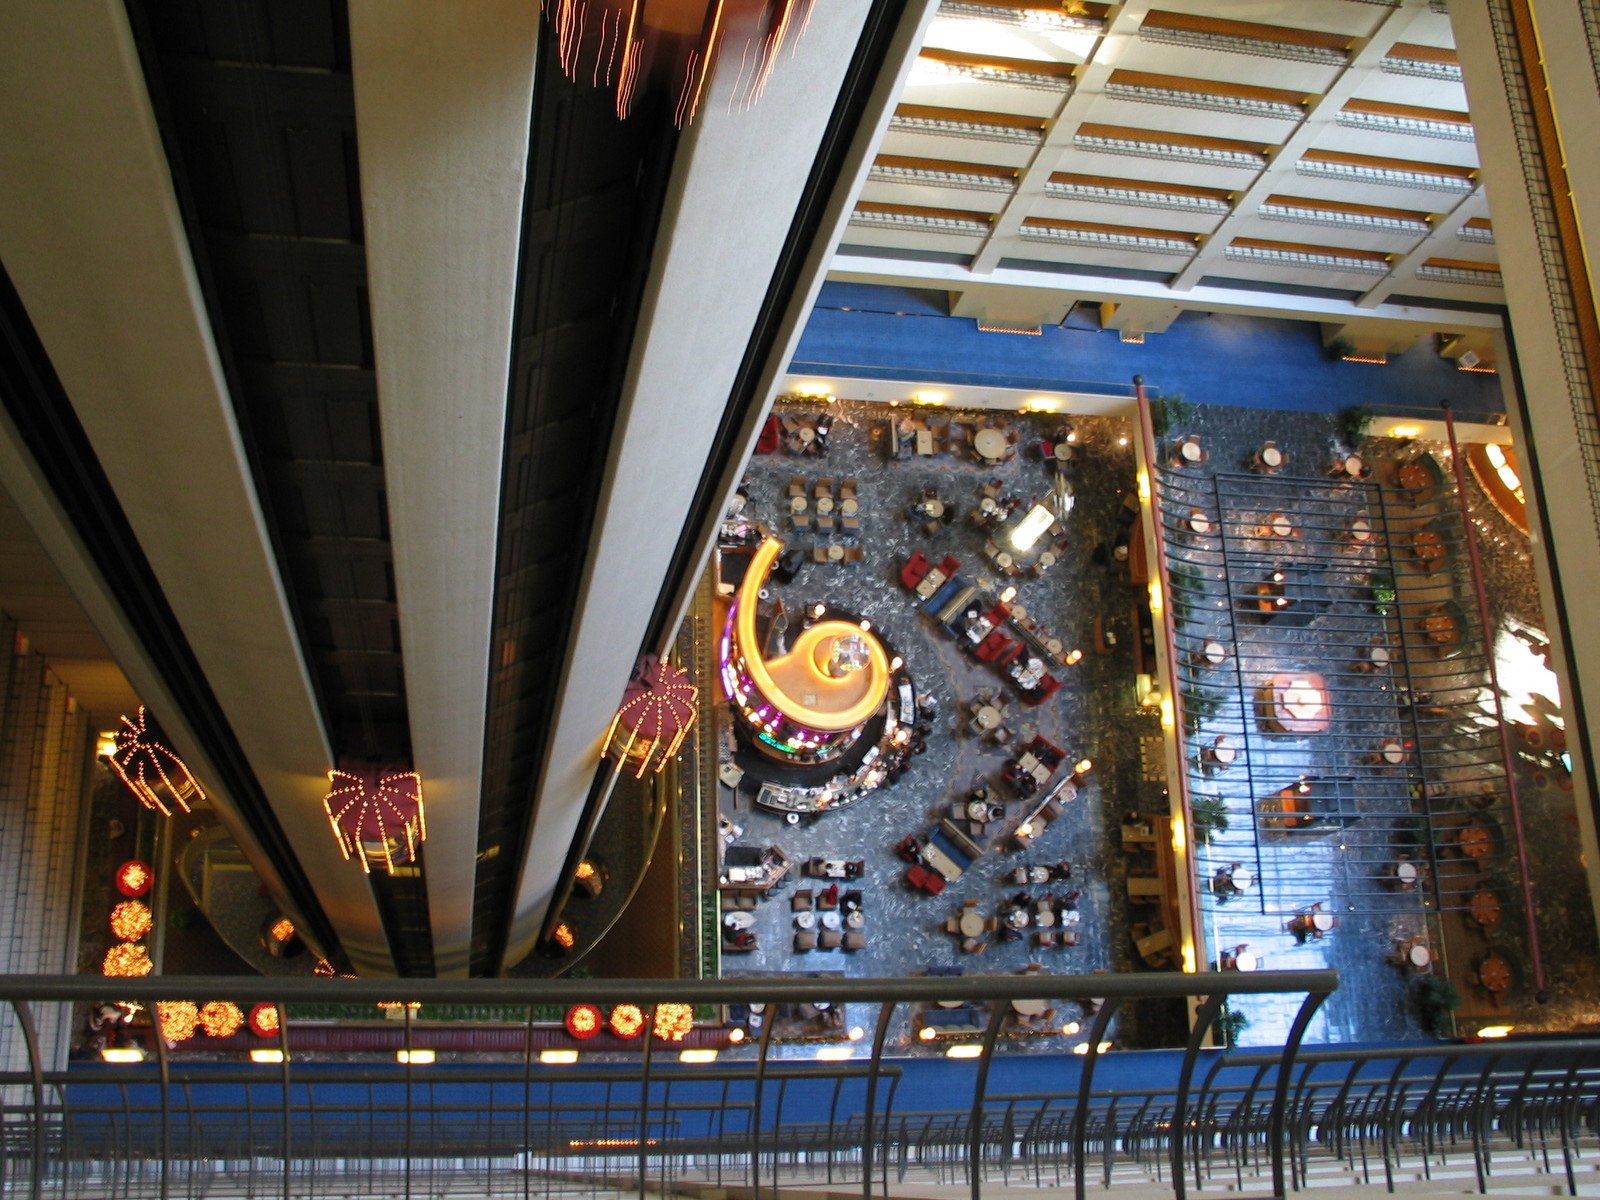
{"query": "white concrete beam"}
[(91, 235), (733, 168), (443, 101)]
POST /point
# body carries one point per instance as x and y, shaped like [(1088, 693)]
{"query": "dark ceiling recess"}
[(257, 112), (595, 190)]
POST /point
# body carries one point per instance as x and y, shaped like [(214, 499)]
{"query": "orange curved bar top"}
[(830, 704)]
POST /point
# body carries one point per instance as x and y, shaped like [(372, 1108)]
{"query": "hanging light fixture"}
[(150, 769), (658, 710), (627, 42), (377, 817)]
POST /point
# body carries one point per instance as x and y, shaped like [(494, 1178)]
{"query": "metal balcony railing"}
[(502, 1124)]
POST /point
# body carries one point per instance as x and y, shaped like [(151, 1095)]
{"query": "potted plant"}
[(1353, 424), (1340, 346), (1210, 816), (1230, 1024), (1168, 411), (1437, 999)]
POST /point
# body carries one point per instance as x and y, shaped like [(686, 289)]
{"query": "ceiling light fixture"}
[(627, 42)]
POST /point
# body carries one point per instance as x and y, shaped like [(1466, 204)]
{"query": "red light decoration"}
[(583, 1021), (630, 40), (150, 769), (264, 1020), (130, 920), (377, 819), (658, 710), (673, 1022), (134, 878), (626, 1021), (221, 1018)]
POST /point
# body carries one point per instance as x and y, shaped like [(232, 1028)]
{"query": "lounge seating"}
[(854, 939), (830, 939), (805, 940), (801, 901), (915, 570)]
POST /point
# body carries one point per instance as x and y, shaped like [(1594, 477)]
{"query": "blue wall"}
[(881, 332)]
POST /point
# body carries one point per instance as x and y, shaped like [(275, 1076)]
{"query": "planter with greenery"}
[(1169, 411), (1354, 423), (1210, 815), (1436, 999)]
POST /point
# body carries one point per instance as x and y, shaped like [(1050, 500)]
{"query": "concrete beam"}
[(444, 95)]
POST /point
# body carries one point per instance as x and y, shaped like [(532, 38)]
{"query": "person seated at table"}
[(1062, 870), (1229, 959), (1069, 901), (740, 939)]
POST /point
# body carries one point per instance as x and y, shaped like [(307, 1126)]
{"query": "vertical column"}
[(1524, 108), (44, 748)]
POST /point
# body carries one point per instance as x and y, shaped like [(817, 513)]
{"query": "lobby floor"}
[(1095, 715)]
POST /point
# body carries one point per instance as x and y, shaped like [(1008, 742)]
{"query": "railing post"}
[(1280, 1094), (997, 1014), (880, 1035), (1080, 1115)]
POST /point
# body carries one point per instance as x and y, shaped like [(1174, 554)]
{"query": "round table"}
[(990, 444), (1394, 752), (1281, 525), (988, 716), (739, 920), (1361, 530), (1379, 656), (1028, 1008), (1038, 874), (758, 1007), (822, 1005), (831, 919), (797, 504), (824, 505), (987, 505), (1017, 918), (1044, 918), (855, 919), (1224, 754), (835, 553), (1190, 450), (1199, 522), (1063, 452), (970, 922), (1002, 560), (1322, 922), (1047, 559), (934, 509), (1215, 652), (1406, 873), (1242, 879), (1054, 645), (804, 920), (1353, 465), (1271, 456), (848, 507), (1419, 956), (1245, 961), (949, 1003), (1018, 613), (977, 810), (807, 434)]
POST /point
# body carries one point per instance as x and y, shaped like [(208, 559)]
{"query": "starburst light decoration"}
[(657, 711), (220, 1018), (178, 1019), (583, 1021), (128, 960), (377, 818), (674, 1021), (625, 43), (130, 920), (150, 769), (134, 878), (626, 1021)]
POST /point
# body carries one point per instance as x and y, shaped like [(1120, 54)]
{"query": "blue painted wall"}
[(881, 332)]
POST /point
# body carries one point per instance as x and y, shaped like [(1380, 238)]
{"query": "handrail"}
[(1142, 986)]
